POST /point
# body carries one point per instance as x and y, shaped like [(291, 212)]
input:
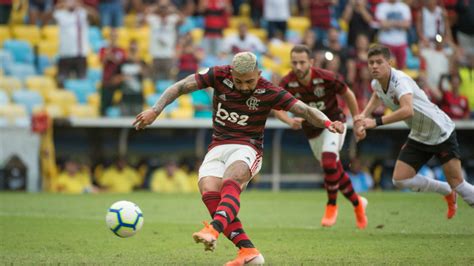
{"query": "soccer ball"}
[(124, 218)]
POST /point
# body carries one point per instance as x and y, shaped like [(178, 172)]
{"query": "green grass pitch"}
[(404, 228)]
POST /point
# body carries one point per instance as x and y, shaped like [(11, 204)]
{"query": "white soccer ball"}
[(124, 218)]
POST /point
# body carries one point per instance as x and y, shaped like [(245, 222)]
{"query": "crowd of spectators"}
[(433, 40)]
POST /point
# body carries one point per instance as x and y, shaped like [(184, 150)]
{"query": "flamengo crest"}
[(252, 103), (319, 91)]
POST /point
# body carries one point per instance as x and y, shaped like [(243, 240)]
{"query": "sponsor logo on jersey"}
[(293, 84), (222, 97), (228, 83), (252, 103), (319, 91), (204, 71), (259, 91), (318, 81), (298, 95)]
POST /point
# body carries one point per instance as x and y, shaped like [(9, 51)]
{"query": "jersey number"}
[(320, 105)]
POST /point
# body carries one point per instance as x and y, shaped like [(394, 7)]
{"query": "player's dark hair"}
[(378, 49), (300, 48)]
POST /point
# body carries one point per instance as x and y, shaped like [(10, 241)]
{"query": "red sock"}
[(234, 231), (229, 206), (331, 176), (345, 186)]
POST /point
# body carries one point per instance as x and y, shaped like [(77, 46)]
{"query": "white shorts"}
[(327, 142), (222, 156)]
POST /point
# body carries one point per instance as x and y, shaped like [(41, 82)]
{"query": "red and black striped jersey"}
[(240, 118), (320, 93)]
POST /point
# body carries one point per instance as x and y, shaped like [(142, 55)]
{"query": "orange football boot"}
[(208, 236), (330, 215), (361, 217), (451, 199), (247, 256)]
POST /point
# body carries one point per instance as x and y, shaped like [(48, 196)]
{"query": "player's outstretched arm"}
[(294, 123), (404, 112), (316, 117), (184, 86)]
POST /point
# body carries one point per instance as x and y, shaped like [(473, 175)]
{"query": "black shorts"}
[(416, 154)]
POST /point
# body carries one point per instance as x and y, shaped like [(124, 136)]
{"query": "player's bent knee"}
[(210, 183), (329, 161)]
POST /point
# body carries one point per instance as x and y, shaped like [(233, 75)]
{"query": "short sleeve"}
[(283, 100), (205, 78), (405, 86)]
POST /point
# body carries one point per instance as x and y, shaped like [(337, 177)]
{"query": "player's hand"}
[(369, 123), (359, 133), (336, 127), (296, 123), (144, 119), (358, 128)]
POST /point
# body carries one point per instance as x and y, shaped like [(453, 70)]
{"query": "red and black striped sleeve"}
[(283, 100), (205, 78)]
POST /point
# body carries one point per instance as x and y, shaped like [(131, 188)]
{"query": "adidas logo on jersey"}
[(259, 91), (318, 81), (222, 97)]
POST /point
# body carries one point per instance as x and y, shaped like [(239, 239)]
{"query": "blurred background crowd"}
[(113, 58)]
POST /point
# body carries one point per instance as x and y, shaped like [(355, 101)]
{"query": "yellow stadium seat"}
[(148, 88), (260, 33), (185, 101), (42, 84), (269, 64), (54, 111), (244, 10), (49, 48), (197, 35), (30, 33), (122, 32), (50, 32), (93, 61), (12, 112), (62, 98), (130, 21), (282, 52), (182, 113), (94, 100), (51, 71), (229, 31), (299, 24), (10, 84), (5, 34), (141, 33), (236, 21), (83, 110)]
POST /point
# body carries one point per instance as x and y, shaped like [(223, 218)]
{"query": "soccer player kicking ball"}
[(318, 88), (431, 131), (242, 102)]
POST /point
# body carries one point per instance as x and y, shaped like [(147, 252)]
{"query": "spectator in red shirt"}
[(112, 58), (453, 104)]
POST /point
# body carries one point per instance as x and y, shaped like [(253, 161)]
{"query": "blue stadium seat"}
[(21, 70), (20, 50), (43, 63), (6, 59), (3, 98), (95, 39), (82, 88), (162, 85), (151, 100), (29, 99), (113, 111), (94, 75)]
